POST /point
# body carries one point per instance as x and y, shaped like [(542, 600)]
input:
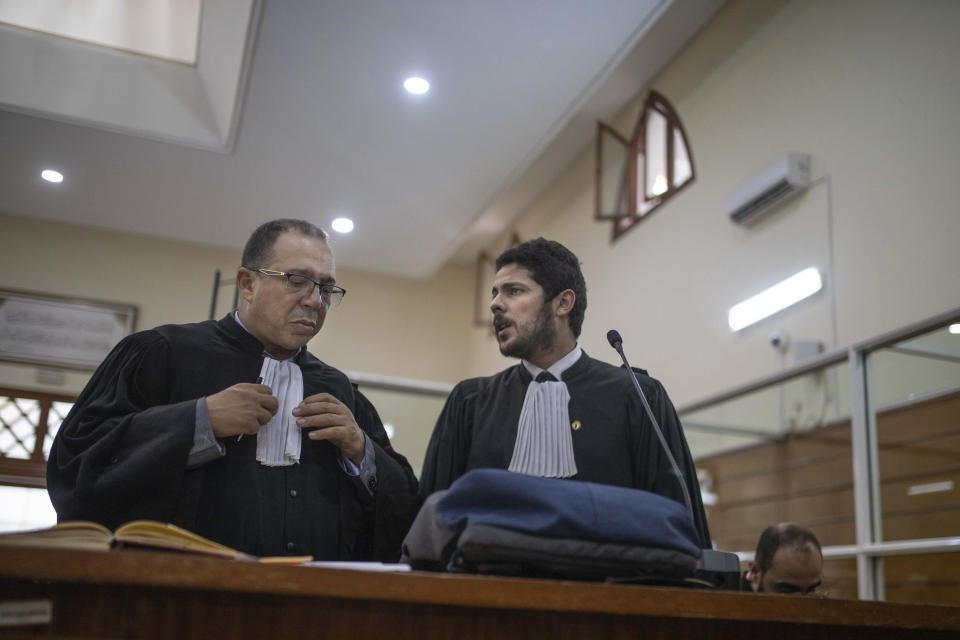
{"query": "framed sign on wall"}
[(60, 332)]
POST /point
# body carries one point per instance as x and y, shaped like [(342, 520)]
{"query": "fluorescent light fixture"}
[(51, 176), (778, 297), (342, 225), (416, 85), (954, 329), (933, 487)]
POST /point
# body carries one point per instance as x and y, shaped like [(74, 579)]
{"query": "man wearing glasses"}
[(233, 430)]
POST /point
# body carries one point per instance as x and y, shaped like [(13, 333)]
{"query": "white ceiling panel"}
[(321, 127)]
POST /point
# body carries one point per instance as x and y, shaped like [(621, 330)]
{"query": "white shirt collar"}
[(236, 316), (558, 367)]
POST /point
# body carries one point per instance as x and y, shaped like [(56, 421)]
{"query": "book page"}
[(75, 534), (148, 533), (285, 559), (379, 567)]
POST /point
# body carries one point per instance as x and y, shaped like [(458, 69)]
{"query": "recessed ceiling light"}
[(955, 329), (342, 225), (416, 85), (779, 296), (51, 176)]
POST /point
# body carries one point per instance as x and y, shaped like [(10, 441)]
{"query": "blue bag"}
[(496, 521)]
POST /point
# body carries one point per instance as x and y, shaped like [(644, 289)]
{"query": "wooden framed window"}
[(634, 177), (28, 422)]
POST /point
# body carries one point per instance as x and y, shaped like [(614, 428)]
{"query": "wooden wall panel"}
[(820, 474), (924, 524), (836, 504), (927, 578), (896, 497), (904, 460), (742, 535), (840, 578), (827, 442), (940, 416)]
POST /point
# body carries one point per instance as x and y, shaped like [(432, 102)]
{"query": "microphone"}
[(613, 337)]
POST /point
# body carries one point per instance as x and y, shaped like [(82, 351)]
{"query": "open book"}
[(149, 534)]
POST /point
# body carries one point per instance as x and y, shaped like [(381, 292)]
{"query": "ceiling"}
[(296, 109)]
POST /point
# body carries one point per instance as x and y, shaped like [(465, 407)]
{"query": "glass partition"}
[(914, 398), (778, 453), (839, 578), (929, 578), (785, 448)]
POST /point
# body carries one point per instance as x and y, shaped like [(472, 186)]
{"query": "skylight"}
[(166, 29)]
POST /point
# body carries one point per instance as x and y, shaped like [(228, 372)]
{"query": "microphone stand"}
[(617, 343), (718, 569)]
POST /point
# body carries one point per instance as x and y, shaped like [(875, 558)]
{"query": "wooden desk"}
[(144, 594)]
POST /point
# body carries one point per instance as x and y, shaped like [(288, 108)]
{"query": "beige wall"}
[(387, 326), (870, 90), (867, 88)]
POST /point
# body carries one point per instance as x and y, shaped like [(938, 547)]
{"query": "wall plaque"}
[(62, 332)]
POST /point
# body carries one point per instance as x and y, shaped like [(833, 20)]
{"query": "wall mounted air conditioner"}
[(788, 176)]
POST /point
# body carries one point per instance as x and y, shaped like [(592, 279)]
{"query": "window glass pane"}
[(22, 508), (657, 125), (614, 157), (915, 368), (682, 171), (915, 400), (930, 578), (644, 206), (778, 454), (656, 154), (161, 28), (18, 424), (641, 189), (817, 399)]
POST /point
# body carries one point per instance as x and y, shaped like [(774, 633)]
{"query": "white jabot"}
[(278, 441), (544, 445)]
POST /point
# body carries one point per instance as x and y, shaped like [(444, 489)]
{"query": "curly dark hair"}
[(553, 267), (259, 248)]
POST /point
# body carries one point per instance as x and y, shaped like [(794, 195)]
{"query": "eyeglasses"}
[(330, 295)]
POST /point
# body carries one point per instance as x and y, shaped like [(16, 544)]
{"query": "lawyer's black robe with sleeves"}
[(121, 454), (615, 443)]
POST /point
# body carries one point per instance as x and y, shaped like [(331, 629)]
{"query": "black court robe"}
[(613, 440), (121, 454)]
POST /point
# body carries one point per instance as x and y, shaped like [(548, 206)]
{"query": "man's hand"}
[(241, 409), (332, 421)]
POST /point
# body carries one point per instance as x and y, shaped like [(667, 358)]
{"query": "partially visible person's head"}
[(539, 292), (259, 248), (284, 317), (788, 560)]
